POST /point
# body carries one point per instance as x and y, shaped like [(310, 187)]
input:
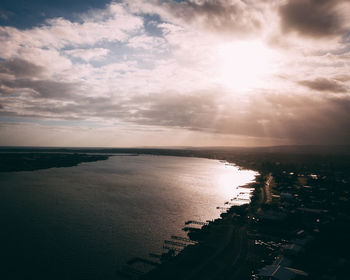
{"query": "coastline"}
[(221, 239), (260, 243)]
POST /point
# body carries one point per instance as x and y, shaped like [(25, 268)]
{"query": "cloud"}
[(89, 54), (57, 33), (46, 61), (315, 18), (323, 84), (40, 88), (217, 16), (19, 77), (20, 68), (300, 118), (167, 76), (342, 78), (146, 42), (193, 110)]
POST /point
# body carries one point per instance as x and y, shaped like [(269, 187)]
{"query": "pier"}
[(184, 239), (196, 223), (222, 208), (175, 243)]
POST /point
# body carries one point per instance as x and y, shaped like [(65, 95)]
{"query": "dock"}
[(196, 223)]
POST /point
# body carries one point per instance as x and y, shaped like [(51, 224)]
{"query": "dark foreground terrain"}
[(297, 225)]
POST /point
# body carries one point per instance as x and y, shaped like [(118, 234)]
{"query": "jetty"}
[(183, 239), (196, 223)]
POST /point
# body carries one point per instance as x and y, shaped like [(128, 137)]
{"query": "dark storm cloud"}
[(323, 84), (315, 18), (20, 68), (219, 16)]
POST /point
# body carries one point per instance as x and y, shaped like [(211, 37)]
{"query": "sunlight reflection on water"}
[(90, 219)]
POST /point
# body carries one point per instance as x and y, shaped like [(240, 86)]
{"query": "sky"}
[(135, 73)]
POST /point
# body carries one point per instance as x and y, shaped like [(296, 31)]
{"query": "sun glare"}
[(244, 65)]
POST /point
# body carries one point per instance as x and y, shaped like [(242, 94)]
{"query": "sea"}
[(88, 221)]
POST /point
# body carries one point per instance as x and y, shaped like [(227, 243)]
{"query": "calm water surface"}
[(85, 222)]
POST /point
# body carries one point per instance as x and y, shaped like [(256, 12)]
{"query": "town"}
[(296, 226)]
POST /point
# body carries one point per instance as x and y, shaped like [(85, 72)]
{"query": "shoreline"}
[(307, 200), (206, 237), (219, 238)]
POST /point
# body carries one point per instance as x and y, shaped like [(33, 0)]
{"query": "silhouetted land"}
[(17, 161), (297, 223)]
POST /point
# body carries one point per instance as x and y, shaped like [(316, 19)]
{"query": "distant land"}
[(34, 158), (311, 149), (29, 161)]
